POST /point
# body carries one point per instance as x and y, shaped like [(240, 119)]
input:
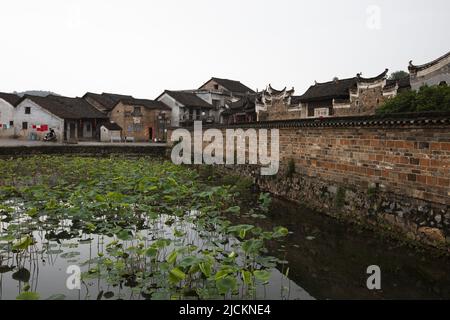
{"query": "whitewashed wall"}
[(6, 116), (106, 135), (175, 106), (38, 116)]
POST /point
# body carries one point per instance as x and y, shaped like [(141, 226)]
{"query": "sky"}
[(141, 48)]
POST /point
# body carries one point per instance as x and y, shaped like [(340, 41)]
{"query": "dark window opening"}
[(24, 125), (11, 123), (27, 110), (216, 87)]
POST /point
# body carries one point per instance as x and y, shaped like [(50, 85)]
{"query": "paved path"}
[(28, 143)]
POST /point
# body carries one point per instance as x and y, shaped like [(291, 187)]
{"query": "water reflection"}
[(330, 259), (60, 244), (326, 259)]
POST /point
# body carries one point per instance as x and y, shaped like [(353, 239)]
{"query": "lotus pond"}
[(136, 229), (139, 228)]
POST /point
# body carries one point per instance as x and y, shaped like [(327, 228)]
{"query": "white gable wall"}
[(38, 116), (6, 116), (175, 106)]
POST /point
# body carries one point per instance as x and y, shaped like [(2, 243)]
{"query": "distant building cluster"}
[(355, 96), (116, 117)]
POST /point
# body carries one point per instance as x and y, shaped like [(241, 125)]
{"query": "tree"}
[(436, 98), (397, 75)]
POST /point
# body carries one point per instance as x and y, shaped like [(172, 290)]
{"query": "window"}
[(27, 110), (216, 87), (24, 125), (88, 127), (216, 103), (321, 112), (137, 109), (137, 127), (11, 123)]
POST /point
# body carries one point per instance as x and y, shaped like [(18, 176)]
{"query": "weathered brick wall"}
[(211, 85), (148, 120), (409, 161), (397, 172), (366, 103), (280, 111)]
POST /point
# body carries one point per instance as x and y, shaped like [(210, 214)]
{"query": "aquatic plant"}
[(161, 232)]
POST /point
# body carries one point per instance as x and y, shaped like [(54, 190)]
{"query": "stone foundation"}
[(416, 219)]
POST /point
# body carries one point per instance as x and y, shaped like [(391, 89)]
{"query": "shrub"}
[(427, 99), (340, 198), (290, 168)]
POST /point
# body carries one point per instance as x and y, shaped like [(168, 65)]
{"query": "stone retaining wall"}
[(159, 151), (386, 169)]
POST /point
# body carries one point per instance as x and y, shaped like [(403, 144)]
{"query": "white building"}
[(7, 109), (186, 107), (436, 72), (32, 120), (205, 103), (72, 119), (110, 132)]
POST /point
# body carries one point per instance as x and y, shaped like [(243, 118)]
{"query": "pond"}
[(117, 228), (146, 229), (329, 259)]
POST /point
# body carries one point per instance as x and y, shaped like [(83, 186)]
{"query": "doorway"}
[(150, 134), (72, 129)]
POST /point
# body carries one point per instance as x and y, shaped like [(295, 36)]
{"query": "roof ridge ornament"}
[(378, 77)]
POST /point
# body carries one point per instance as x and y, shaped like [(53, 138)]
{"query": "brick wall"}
[(406, 163), (138, 127), (279, 110), (409, 161)]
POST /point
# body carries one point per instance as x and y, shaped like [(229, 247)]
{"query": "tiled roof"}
[(188, 99), (110, 100), (392, 120), (66, 108), (150, 104), (338, 89), (402, 83), (245, 104), (111, 126), (52, 106), (107, 100), (414, 68), (378, 77), (232, 85), (79, 107), (11, 98)]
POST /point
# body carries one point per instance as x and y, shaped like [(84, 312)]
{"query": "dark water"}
[(326, 259), (329, 259)]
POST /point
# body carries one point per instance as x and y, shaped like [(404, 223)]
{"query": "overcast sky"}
[(143, 47)]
